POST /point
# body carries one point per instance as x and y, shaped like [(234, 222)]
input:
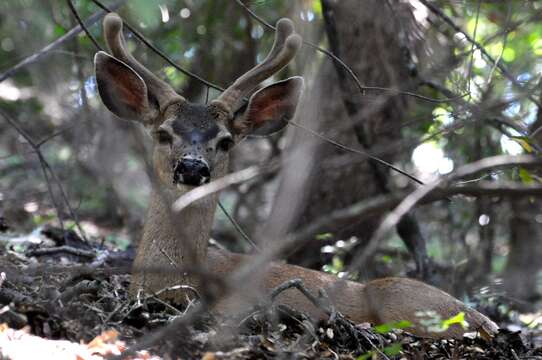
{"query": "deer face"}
[(190, 144), (191, 141)]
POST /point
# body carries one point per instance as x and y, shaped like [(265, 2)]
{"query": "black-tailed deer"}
[(191, 144)]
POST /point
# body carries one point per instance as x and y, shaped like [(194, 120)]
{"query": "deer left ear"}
[(269, 109)]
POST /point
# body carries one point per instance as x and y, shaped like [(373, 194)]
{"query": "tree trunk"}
[(367, 38), (521, 277)]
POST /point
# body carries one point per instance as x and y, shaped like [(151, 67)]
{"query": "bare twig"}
[(61, 40), (416, 196), (78, 18), (219, 184), (45, 169), (362, 89), (238, 227), (160, 52), (359, 152), (62, 249), (439, 13)]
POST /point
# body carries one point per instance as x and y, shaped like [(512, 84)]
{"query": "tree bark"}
[(367, 38)]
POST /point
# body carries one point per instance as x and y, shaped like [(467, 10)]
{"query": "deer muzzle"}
[(191, 171)]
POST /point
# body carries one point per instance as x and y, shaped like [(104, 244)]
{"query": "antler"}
[(284, 49), (114, 38)]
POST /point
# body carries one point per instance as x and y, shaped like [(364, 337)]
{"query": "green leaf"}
[(324, 236), (317, 7), (59, 30), (387, 327), (525, 176), (393, 349), (387, 259), (366, 356), (457, 319), (525, 143)]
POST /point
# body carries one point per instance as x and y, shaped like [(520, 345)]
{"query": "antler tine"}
[(286, 45), (114, 38)]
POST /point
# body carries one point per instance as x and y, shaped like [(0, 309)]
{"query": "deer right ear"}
[(122, 90)]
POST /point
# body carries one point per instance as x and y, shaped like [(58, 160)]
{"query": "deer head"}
[(191, 141)]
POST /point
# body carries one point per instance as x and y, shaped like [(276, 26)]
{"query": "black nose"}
[(191, 171)]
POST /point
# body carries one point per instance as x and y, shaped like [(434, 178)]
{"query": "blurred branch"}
[(292, 241), (497, 121), (61, 40), (489, 163), (362, 88), (439, 13), (359, 152), (45, 167), (220, 184)]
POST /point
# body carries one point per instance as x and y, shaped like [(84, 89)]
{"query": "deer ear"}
[(269, 109), (122, 90)]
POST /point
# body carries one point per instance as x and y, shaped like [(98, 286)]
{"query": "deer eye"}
[(225, 144), (163, 137)]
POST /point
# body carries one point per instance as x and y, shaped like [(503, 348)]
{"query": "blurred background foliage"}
[(100, 161)]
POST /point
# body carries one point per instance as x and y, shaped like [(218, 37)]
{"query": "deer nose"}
[(191, 171)]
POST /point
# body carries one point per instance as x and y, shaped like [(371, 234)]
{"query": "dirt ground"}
[(62, 298)]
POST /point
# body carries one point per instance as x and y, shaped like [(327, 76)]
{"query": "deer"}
[(191, 144)]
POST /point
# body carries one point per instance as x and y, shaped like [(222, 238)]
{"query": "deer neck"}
[(175, 234), (173, 242)]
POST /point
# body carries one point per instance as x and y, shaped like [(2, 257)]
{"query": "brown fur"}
[(379, 301), (174, 242)]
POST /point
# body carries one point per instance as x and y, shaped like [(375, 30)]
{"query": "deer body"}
[(191, 144)]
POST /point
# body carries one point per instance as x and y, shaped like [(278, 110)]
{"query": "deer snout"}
[(191, 171)]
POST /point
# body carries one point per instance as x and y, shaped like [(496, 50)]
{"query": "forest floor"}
[(64, 299)]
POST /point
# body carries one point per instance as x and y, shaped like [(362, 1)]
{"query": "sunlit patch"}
[(257, 32), (429, 159), (90, 86), (483, 220), (201, 30), (510, 146), (443, 115), (90, 228), (164, 12), (532, 320), (64, 153), (306, 16), (31, 207), (185, 13), (420, 11), (7, 45), (9, 92), (479, 61)]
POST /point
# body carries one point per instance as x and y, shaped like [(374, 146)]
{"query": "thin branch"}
[(62, 249), (61, 40), (362, 88), (299, 238), (238, 228), (439, 13), (506, 32), (78, 18), (471, 62), (359, 152), (218, 185), (490, 163), (159, 52), (47, 168)]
